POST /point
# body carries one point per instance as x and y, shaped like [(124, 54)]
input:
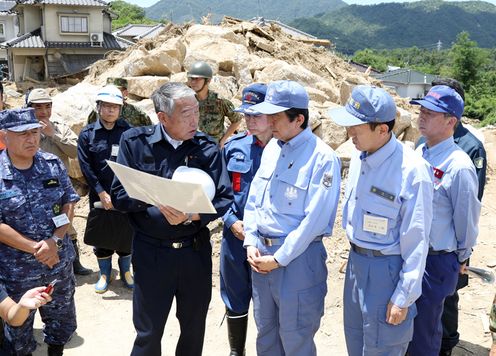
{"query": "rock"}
[(226, 87), (181, 77), (345, 152), (345, 90), (403, 121), (332, 134), (144, 86), (221, 51), (211, 33), (155, 62), (317, 95), (175, 48)]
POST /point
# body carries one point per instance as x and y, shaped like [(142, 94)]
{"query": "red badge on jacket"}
[(438, 173)]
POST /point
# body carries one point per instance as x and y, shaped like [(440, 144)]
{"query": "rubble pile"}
[(240, 53)]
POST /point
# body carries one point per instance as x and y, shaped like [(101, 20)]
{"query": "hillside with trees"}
[(398, 25), (128, 14), (179, 11), (465, 61)]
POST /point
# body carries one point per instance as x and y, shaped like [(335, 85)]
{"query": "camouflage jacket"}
[(213, 110), (132, 114), (28, 204)]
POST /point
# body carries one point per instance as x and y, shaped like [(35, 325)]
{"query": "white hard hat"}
[(197, 176), (110, 94)]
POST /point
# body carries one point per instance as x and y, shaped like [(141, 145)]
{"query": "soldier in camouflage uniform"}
[(36, 205), (132, 114), (213, 109), (57, 138)]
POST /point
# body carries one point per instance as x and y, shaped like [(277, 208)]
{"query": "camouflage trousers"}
[(59, 316)]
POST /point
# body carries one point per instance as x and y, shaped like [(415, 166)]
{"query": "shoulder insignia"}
[(327, 180), (238, 136), (479, 162)]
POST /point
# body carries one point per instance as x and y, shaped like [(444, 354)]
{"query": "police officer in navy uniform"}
[(387, 214), (242, 154), (36, 206), (171, 249), (455, 217), (291, 205), (97, 143), (474, 148)]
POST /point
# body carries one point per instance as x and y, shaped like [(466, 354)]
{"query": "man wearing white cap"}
[(387, 212), (291, 206)]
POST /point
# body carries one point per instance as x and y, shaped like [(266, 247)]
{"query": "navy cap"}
[(442, 98), (18, 120), (366, 104), (252, 94), (281, 96)]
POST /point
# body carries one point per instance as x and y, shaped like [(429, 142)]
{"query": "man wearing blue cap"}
[(456, 213), (387, 212), (291, 205), (36, 205), (242, 154)]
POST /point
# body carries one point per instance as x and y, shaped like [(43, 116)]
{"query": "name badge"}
[(115, 150), (375, 224), (60, 220)]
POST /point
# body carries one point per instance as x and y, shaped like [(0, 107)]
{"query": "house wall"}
[(10, 31), (53, 32), (410, 90), (107, 23), (31, 20), (18, 63)]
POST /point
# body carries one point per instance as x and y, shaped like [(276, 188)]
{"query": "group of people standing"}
[(410, 217)]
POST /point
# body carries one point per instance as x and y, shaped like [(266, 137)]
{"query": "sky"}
[(147, 3)]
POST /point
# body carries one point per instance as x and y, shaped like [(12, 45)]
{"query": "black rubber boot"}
[(79, 269), (55, 350), (237, 325)]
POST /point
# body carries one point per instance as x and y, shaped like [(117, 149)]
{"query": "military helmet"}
[(200, 69), (118, 82), (110, 94)]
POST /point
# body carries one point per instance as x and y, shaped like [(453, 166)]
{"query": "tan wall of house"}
[(107, 24), (32, 19), (19, 60), (52, 16)]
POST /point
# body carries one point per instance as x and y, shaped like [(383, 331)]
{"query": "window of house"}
[(2, 29), (73, 24)]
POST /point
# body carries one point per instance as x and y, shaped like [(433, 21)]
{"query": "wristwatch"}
[(189, 219), (58, 242)]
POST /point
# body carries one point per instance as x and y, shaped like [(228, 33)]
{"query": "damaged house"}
[(59, 37)]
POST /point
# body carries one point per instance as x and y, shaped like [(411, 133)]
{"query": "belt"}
[(278, 241), (366, 251), (167, 243), (440, 252)]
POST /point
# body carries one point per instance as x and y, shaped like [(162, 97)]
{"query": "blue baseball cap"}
[(281, 96), (366, 104), (252, 94), (18, 120), (442, 98)]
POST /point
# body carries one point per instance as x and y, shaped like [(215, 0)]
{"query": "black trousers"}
[(450, 316), (160, 274)]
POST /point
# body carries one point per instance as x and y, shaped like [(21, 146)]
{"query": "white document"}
[(155, 190), (375, 224)]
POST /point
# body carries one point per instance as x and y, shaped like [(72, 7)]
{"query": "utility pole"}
[(439, 45)]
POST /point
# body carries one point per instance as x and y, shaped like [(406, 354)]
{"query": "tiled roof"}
[(33, 40), (139, 31), (28, 40), (65, 2)]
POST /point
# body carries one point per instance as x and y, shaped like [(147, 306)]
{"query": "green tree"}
[(129, 14), (467, 60)]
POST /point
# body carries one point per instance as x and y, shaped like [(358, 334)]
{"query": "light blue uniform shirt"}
[(456, 207), (393, 186), (294, 194)]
